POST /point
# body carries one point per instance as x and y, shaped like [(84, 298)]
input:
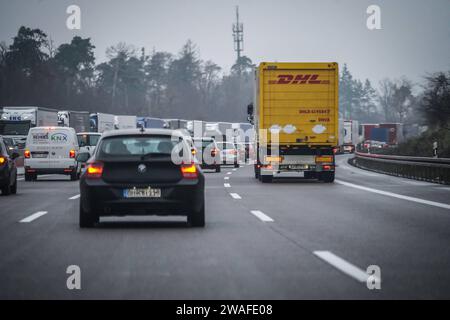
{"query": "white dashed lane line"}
[(395, 195), (235, 196), (34, 216), (234, 169), (229, 172), (261, 216), (74, 197), (226, 178), (226, 185), (344, 266)]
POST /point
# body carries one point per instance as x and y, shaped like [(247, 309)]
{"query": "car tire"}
[(257, 172), (218, 169), (197, 218), (14, 186), (236, 165), (266, 178), (28, 177), (87, 219), (6, 190), (327, 177)]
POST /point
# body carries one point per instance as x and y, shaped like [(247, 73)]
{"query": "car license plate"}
[(142, 193), (39, 155), (298, 166)]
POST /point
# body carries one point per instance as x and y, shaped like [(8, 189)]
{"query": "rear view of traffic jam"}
[(140, 166)]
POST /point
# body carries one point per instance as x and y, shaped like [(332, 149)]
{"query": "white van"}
[(51, 150)]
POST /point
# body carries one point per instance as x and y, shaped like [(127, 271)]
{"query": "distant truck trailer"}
[(79, 120), (389, 133), (125, 122), (101, 122), (350, 135), (37, 117)]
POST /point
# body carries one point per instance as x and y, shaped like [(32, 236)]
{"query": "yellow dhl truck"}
[(295, 113)]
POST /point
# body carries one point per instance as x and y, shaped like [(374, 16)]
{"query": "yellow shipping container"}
[(299, 101)]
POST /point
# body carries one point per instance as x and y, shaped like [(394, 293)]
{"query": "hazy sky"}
[(414, 40)]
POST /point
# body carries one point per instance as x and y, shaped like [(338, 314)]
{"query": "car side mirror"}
[(83, 157)]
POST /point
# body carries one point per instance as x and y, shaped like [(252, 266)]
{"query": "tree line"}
[(159, 84)]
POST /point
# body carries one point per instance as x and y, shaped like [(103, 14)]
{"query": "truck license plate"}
[(142, 193)]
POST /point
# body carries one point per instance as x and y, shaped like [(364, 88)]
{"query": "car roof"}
[(142, 131), (93, 133)]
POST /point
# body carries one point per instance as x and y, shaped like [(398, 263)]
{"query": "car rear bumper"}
[(107, 199), (32, 170)]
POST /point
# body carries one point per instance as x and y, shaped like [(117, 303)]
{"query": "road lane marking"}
[(234, 169), (226, 185), (229, 172), (263, 217), (34, 216), (235, 196), (226, 178), (344, 266), (74, 197), (395, 195)]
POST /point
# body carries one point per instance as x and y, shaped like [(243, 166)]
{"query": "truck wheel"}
[(87, 219), (327, 177), (217, 168), (266, 178), (197, 218), (257, 172)]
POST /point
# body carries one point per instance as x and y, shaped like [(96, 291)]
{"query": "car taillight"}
[(27, 153), (193, 151), (94, 170), (2, 160), (232, 151), (327, 167), (72, 153), (189, 171)]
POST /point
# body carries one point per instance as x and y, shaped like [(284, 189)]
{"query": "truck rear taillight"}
[(324, 159), (72, 153), (27, 154), (94, 170), (327, 167), (189, 171)]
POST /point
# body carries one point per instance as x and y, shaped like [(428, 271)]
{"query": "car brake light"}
[(27, 154), (189, 171), (193, 151), (214, 152), (94, 170), (72, 153), (327, 167), (2, 160)]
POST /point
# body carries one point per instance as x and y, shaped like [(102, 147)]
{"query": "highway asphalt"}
[(292, 239)]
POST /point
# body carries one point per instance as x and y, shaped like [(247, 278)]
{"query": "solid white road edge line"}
[(235, 196), (74, 197), (344, 266), (261, 216), (34, 216), (226, 185), (395, 195)]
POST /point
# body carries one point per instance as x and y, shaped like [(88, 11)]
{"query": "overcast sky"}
[(414, 40)]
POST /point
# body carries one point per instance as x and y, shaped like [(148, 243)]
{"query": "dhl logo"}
[(298, 79)]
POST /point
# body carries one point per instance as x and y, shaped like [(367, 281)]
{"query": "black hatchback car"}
[(141, 172), (8, 169)]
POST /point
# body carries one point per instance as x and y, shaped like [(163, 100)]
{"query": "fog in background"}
[(414, 40)]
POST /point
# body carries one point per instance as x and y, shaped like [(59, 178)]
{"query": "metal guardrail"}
[(419, 168)]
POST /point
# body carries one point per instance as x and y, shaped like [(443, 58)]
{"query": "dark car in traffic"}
[(134, 172), (210, 154), (8, 169)]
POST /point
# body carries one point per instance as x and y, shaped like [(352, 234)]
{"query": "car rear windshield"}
[(204, 143), (48, 137), (226, 145), (131, 146), (14, 128)]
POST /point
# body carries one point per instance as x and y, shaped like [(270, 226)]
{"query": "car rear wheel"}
[(87, 219), (257, 172), (28, 177), (266, 178), (327, 177), (197, 218), (6, 190), (236, 165), (14, 186), (218, 169), (74, 176)]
